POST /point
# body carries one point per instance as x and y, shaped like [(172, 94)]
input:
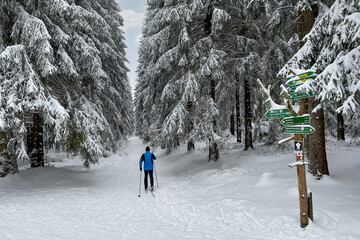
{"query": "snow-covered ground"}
[(245, 195)]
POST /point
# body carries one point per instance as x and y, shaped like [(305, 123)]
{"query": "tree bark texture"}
[(248, 115), (237, 108), (190, 126), (232, 123), (213, 148), (307, 20), (7, 165), (340, 127), (35, 142), (318, 165)]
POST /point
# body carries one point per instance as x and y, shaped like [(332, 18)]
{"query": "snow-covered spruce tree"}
[(332, 49), (257, 44), (72, 53), (198, 83), (162, 74)]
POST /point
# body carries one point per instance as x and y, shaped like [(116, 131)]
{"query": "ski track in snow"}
[(63, 201)]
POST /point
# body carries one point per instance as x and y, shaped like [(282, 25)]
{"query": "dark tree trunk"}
[(191, 145), (213, 148), (7, 165), (35, 142), (340, 127), (190, 126), (307, 20), (237, 108), (316, 149), (248, 115), (318, 165), (232, 123), (207, 25)]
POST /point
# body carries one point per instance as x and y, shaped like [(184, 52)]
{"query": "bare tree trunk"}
[(307, 20), (340, 127), (232, 123), (35, 143), (213, 147), (191, 143), (7, 165), (318, 165), (237, 108), (248, 115)]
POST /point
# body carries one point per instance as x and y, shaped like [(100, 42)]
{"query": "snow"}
[(245, 195), (285, 140)]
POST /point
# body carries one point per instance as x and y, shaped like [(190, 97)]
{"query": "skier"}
[(148, 159)]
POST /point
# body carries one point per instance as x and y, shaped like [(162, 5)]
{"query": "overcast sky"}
[(133, 12)]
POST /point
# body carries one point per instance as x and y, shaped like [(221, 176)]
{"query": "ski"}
[(152, 194)]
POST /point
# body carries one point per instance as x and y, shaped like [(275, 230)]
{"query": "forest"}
[(248, 112), (64, 84), (199, 62)]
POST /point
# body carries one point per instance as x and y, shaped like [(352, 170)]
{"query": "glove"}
[(140, 169)]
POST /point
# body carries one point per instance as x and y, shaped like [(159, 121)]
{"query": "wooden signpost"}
[(295, 123)]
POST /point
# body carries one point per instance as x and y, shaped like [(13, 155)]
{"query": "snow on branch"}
[(219, 18), (269, 102)]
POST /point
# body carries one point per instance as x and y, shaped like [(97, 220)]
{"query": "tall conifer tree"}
[(66, 60)]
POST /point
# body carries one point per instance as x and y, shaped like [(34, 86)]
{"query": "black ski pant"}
[(150, 173)]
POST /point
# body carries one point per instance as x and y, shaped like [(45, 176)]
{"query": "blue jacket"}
[(148, 159)]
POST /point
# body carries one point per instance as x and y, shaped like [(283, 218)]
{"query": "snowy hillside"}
[(245, 195)]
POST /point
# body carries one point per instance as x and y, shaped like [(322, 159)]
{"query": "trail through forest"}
[(245, 195)]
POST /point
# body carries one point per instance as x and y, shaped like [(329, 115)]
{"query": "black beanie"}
[(147, 148)]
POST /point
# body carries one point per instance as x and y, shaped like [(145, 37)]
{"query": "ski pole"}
[(157, 183), (140, 184)]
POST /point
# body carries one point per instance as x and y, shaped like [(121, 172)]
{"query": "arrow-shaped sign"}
[(296, 80), (300, 129), (296, 120), (302, 75), (300, 95), (292, 88), (278, 113)]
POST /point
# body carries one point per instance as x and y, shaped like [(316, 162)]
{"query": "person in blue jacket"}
[(148, 159)]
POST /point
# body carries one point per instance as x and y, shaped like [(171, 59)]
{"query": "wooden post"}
[(301, 175)]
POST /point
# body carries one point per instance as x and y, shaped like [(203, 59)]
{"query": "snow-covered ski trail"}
[(197, 200)]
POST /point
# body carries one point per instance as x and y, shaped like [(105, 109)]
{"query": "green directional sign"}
[(300, 129), (296, 120), (302, 75), (300, 95), (278, 113), (292, 88), (299, 80)]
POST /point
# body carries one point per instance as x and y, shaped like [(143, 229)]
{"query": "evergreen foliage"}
[(186, 76), (66, 60), (332, 48)]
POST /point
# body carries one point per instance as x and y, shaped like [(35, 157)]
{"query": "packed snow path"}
[(240, 197)]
